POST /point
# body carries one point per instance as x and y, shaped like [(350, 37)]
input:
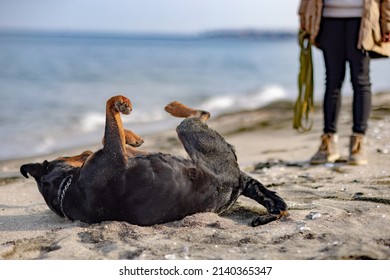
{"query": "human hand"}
[(302, 22)]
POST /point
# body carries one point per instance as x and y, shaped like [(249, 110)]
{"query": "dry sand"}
[(336, 211)]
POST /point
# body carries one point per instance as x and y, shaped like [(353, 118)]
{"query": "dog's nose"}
[(34, 169)]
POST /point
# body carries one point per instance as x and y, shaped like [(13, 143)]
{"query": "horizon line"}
[(94, 33)]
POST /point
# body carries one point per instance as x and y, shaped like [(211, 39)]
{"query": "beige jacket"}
[(375, 23)]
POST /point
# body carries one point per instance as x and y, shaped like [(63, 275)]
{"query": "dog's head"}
[(52, 176)]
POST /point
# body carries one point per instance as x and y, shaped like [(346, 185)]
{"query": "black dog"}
[(120, 183)]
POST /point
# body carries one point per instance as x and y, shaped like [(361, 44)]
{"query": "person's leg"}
[(359, 63), (331, 40), (333, 44)]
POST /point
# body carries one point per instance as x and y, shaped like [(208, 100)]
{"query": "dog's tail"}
[(274, 204)]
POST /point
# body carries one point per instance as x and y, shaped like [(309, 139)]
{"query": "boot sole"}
[(357, 163), (330, 159)]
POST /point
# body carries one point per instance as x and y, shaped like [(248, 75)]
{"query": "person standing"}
[(346, 31)]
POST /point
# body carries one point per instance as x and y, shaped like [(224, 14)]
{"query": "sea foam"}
[(246, 101)]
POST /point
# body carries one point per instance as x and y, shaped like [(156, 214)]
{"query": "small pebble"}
[(313, 216), (170, 257), (382, 151), (304, 228)]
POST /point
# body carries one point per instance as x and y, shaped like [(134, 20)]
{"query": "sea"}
[(53, 87)]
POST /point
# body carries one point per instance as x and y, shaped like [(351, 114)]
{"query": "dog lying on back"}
[(119, 182)]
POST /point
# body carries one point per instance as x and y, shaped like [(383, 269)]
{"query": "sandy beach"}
[(336, 211)]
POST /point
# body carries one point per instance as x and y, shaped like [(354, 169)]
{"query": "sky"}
[(147, 16)]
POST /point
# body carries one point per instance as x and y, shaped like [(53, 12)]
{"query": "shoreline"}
[(259, 118), (336, 211), (239, 121)]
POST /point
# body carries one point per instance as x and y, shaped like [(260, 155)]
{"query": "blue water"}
[(53, 89)]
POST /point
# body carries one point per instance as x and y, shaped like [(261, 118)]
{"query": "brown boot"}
[(328, 151), (357, 155)]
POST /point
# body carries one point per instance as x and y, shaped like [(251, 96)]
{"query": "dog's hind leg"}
[(274, 204), (201, 142), (207, 149), (180, 110)]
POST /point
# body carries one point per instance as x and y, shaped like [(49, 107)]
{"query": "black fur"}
[(155, 188)]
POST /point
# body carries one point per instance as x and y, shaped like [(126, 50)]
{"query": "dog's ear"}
[(34, 169)]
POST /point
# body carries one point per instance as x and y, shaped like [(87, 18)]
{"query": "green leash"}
[(304, 105)]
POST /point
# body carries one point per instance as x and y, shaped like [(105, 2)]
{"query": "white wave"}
[(247, 101), (44, 146), (143, 115), (92, 121)]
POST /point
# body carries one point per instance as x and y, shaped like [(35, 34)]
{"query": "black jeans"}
[(338, 40)]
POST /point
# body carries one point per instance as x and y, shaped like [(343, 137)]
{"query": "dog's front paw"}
[(267, 218), (121, 104), (133, 139), (139, 142), (135, 142)]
